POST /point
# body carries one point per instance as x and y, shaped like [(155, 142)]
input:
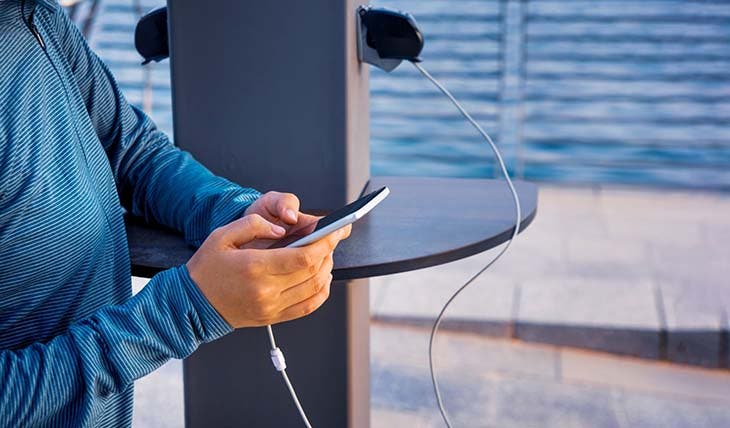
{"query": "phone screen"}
[(345, 211)]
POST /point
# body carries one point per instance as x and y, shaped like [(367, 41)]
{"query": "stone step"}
[(644, 273)]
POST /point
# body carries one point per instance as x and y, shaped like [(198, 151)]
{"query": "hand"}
[(252, 287), (281, 209)]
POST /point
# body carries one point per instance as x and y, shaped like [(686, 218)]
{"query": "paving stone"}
[(404, 388), (158, 398), (725, 339), (594, 390), (660, 219), (527, 260), (378, 291), (704, 269), (533, 404), (564, 215), (645, 376), (395, 387), (385, 418), (664, 412), (606, 258), (496, 358), (621, 341), (457, 352), (715, 234), (690, 306), (694, 326), (598, 314), (559, 202), (484, 382), (418, 297), (663, 206), (695, 347)]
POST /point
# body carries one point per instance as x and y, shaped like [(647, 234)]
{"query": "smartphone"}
[(342, 217)]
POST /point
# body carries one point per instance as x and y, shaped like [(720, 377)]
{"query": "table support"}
[(232, 383), (270, 94)]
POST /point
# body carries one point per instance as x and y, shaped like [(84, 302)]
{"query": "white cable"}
[(504, 249), (271, 337), (277, 358)]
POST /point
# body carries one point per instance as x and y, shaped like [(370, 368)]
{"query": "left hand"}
[(281, 209)]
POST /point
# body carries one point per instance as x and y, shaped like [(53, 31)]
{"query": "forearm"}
[(165, 184), (68, 377)]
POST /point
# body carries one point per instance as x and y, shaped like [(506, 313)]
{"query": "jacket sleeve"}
[(66, 380), (155, 179)]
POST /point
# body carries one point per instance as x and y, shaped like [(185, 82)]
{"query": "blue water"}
[(579, 91)]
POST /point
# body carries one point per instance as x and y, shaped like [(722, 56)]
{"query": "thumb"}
[(249, 228), (287, 207)]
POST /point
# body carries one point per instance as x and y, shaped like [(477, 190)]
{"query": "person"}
[(73, 155)]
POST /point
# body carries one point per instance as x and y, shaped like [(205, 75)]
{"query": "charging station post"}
[(270, 94)]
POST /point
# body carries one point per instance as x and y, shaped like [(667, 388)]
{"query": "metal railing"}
[(627, 91), (583, 91)]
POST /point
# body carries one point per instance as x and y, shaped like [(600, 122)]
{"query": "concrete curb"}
[(702, 347)]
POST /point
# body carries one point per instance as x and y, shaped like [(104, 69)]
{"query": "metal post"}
[(270, 95)]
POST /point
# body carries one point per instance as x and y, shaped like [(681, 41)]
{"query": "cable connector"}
[(277, 357)]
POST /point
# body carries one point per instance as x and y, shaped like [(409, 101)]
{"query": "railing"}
[(586, 91), (627, 91)]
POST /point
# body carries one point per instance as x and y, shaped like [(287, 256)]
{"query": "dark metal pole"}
[(270, 95)]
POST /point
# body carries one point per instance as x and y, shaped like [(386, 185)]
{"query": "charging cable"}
[(518, 213), (277, 357)]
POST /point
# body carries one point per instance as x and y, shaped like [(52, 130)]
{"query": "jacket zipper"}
[(34, 30), (30, 23)]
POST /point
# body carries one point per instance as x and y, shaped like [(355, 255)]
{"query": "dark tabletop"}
[(423, 222)]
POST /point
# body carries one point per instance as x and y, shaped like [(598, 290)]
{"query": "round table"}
[(423, 222)]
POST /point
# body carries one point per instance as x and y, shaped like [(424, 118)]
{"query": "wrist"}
[(213, 322)]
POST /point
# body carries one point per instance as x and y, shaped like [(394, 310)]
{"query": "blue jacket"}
[(73, 153)]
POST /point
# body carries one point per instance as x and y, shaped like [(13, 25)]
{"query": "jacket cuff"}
[(214, 325)]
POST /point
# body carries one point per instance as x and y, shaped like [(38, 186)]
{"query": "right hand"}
[(253, 287)]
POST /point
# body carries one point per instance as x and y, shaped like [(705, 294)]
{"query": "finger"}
[(345, 232), (266, 207), (288, 260), (308, 218), (308, 306), (287, 207), (305, 224), (311, 286), (282, 282), (247, 229)]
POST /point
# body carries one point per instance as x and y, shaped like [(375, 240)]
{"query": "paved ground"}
[(490, 382), (503, 383), (638, 272)]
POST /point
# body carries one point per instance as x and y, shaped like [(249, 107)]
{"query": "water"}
[(580, 91)]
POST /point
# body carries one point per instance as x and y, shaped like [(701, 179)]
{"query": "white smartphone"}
[(342, 217)]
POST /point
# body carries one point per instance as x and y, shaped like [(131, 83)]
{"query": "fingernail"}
[(291, 214), (278, 230)]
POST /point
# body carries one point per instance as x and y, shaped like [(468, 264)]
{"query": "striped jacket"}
[(73, 154)]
